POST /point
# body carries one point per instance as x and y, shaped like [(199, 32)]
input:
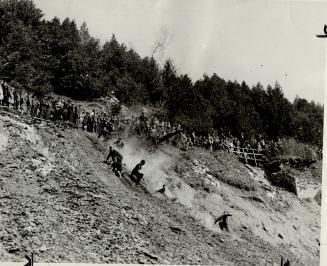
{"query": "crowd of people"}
[(100, 122), (27, 103), (154, 128), (57, 110), (62, 110), (226, 142)]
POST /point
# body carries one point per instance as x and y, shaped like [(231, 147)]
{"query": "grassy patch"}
[(226, 168)]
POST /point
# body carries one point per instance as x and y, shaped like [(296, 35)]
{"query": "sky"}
[(255, 41)]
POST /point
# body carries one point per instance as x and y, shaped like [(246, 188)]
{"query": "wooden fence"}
[(249, 156)]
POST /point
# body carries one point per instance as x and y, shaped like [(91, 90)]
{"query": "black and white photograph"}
[(171, 132)]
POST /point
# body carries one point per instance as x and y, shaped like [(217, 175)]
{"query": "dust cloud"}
[(159, 170), (158, 165), (3, 141)]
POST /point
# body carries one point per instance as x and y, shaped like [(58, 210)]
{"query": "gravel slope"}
[(60, 201)]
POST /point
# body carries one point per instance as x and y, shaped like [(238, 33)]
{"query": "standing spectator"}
[(22, 102), (5, 94), (15, 100), (89, 124), (193, 138), (11, 98), (1, 94), (210, 142), (71, 112), (76, 116)]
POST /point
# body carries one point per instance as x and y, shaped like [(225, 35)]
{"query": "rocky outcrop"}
[(279, 176), (300, 162)]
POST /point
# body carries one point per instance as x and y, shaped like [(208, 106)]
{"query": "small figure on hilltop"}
[(222, 221), (136, 175)]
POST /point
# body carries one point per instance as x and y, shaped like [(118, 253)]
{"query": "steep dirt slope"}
[(59, 200), (286, 224)]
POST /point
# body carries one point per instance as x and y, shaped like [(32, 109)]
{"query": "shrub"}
[(291, 148)]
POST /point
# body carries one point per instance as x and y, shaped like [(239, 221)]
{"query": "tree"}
[(19, 21), (84, 34), (307, 120), (112, 60), (161, 43), (187, 106), (43, 56), (168, 79), (151, 79)]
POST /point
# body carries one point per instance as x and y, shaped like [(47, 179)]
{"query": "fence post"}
[(246, 156), (255, 160)]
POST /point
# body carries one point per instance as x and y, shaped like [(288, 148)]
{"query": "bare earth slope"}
[(60, 201)]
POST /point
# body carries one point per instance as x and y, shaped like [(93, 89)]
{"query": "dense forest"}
[(56, 56)]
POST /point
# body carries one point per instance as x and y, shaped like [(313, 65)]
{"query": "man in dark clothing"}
[(114, 155), (287, 263), (89, 124), (136, 175), (222, 221), (5, 100), (117, 167), (116, 161), (75, 115), (162, 190), (15, 100), (104, 129), (28, 104)]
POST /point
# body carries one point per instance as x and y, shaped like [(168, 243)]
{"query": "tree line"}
[(56, 56)]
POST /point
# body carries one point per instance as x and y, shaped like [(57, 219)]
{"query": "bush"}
[(116, 109), (291, 148)]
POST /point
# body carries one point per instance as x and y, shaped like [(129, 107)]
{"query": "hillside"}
[(59, 200)]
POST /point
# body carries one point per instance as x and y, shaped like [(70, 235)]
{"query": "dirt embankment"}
[(59, 200)]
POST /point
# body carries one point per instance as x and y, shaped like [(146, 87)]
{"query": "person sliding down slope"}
[(116, 161), (162, 190), (222, 221), (113, 154), (118, 143), (117, 167), (136, 176)]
